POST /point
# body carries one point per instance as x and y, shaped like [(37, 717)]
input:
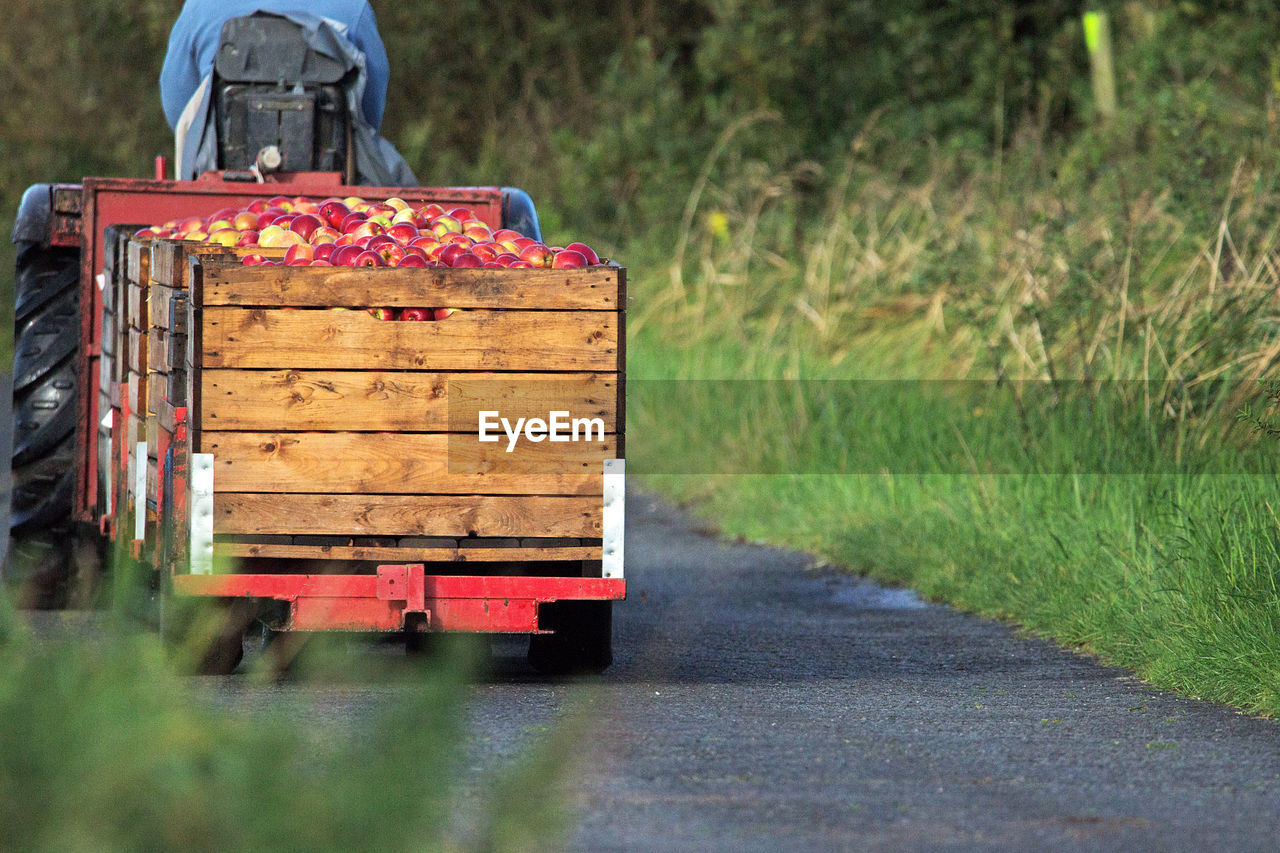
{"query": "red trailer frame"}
[(356, 602)]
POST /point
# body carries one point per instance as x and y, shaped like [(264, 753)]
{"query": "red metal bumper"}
[(380, 602)]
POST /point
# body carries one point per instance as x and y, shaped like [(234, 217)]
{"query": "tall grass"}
[(1081, 470)]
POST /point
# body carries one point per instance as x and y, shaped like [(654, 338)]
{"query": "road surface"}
[(759, 704)]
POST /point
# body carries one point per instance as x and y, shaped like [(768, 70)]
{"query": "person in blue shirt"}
[(198, 31)]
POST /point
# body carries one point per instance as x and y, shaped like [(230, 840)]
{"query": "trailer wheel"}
[(582, 642), (205, 637), (46, 340)]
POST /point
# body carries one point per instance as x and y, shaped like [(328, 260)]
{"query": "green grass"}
[(1021, 404)]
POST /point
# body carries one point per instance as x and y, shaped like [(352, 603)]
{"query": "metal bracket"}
[(407, 583), (613, 523), (201, 513), (140, 492)]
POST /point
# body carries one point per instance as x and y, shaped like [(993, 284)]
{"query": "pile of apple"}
[(357, 233)]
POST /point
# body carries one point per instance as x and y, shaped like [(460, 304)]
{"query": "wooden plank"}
[(157, 389), (136, 353), (242, 550), (406, 515), (177, 387), (109, 342), (166, 416), (177, 314), (137, 306), (152, 433), (166, 351), (136, 386), (168, 259), (469, 340), (589, 288), (158, 298), (401, 463), (397, 401), (138, 266)]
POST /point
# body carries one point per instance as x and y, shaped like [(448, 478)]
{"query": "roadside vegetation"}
[(971, 337)]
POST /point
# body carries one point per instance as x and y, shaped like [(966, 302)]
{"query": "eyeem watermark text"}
[(558, 426)]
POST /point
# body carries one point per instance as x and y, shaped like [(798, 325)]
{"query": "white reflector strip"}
[(201, 513), (140, 492), (614, 521)]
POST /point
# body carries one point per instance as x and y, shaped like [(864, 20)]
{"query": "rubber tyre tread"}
[(46, 339), (42, 492), (40, 275), (45, 417)]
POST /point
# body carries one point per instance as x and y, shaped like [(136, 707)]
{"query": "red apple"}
[(270, 215), (345, 256), (416, 314), (368, 259), (391, 252), (537, 254), (586, 251), (333, 212), (448, 253), (492, 265), (324, 251), (506, 234), (467, 260), (245, 221), (506, 259), (351, 220), (368, 228), (324, 234), (520, 265), (258, 205), (299, 251), (462, 214), (224, 237), (568, 259), (252, 259), (442, 225), (442, 313), (485, 251), (321, 262), (305, 224), (412, 260), (383, 313), (248, 238), (430, 211), (404, 232)]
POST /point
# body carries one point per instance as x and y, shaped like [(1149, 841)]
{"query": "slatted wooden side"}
[(327, 422), (111, 362), (129, 420)]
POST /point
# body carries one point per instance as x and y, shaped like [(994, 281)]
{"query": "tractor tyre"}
[(46, 343)]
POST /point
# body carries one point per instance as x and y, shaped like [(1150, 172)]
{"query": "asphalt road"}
[(757, 704)]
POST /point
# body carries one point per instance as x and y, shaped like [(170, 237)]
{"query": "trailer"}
[(254, 435)]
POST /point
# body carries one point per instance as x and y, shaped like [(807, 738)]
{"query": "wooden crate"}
[(332, 423)]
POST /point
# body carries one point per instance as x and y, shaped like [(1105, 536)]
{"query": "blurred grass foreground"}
[(104, 747)]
